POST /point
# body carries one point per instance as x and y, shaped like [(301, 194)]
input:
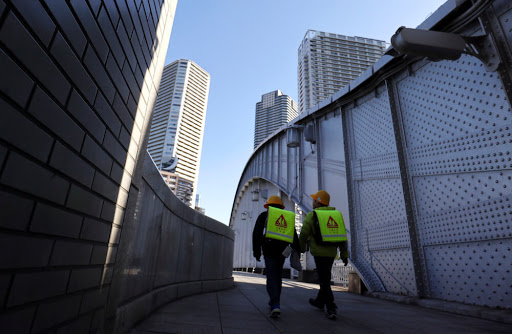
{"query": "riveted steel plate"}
[(442, 195), (395, 269), (373, 130), (382, 166), (449, 99), (383, 213), (364, 261), (378, 197), (475, 272), (457, 123), (486, 150)]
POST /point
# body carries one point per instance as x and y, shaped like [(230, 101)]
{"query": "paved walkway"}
[(244, 309)]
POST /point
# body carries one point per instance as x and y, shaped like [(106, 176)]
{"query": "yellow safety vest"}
[(280, 224), (332, 227)]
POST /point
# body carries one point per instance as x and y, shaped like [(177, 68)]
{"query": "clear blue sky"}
[(250, 48)]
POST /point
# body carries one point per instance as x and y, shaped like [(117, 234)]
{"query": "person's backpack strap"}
[(316, 231)]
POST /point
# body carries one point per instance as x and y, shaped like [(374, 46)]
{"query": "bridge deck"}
[(244, 310)]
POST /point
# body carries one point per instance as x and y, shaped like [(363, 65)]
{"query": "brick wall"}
[(78, 80)]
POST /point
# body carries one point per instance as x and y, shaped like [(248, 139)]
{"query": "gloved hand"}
[(345, 261), (257, 256)]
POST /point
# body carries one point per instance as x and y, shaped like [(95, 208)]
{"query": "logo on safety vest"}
[(281, 222), (331, 223)]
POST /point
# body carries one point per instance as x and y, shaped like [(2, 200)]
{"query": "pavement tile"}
[(177, 329), (189, 318), (227, 330), (244, 309)]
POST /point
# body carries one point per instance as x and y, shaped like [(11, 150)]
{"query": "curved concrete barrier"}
[(170, 251)]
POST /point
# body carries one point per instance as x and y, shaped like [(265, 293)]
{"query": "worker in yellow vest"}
[(323, 230), (274, 232)]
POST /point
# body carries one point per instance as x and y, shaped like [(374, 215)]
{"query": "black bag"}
[(295, 260)]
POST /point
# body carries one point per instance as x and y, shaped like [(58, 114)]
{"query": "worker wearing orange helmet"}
[(323, 230), (274, 232)]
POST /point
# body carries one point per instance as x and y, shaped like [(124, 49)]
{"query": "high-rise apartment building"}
[(327, 62), (274, 110), (176, 135)]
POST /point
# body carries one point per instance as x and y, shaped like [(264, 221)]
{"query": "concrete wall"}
[(77, 85), (173, 251)]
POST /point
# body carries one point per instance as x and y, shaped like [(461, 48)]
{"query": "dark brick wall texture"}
[(78, 79)]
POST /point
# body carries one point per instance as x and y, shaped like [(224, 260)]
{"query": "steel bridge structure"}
[(417, 155)]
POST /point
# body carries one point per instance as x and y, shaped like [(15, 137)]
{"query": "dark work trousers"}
[(323, 267), (273, 268)]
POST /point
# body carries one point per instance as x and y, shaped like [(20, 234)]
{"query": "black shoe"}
[(276, 311), (331, 313), (316, 303)]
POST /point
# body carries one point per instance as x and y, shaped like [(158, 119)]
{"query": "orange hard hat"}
[(322, 196), (274, 200)]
